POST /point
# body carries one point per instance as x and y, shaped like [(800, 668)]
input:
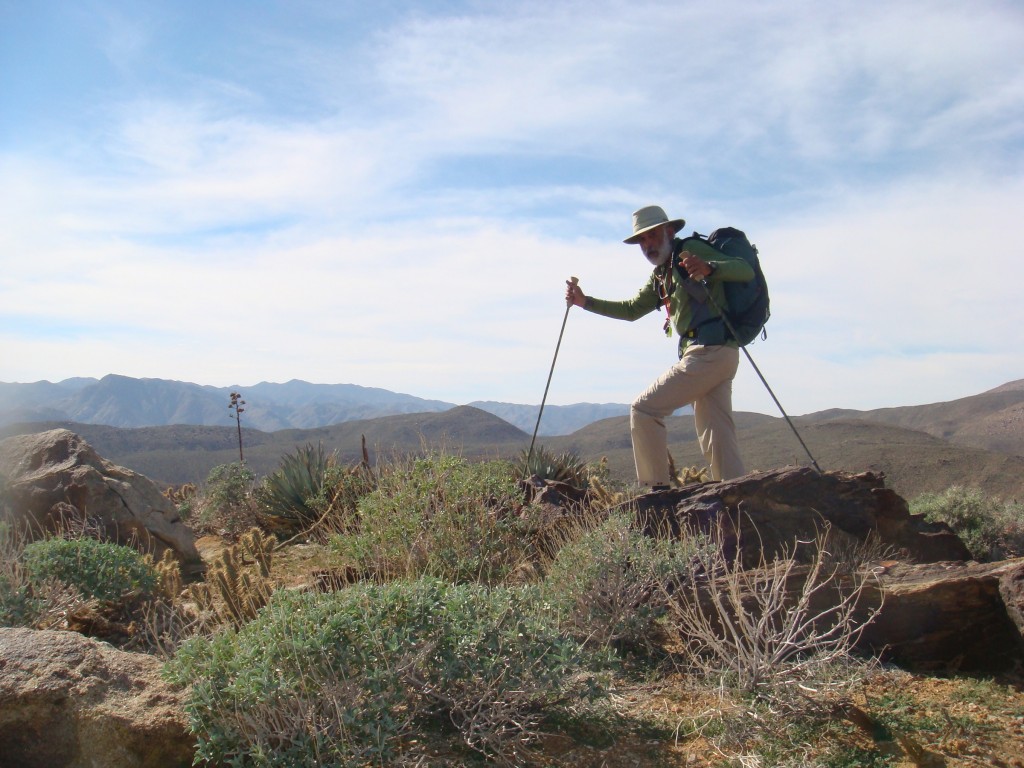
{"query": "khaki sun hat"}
[(649, 217)]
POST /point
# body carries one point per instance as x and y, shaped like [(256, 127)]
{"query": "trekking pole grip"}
[(575, 281)]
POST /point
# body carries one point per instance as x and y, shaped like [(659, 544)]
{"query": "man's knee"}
[(641, 412)]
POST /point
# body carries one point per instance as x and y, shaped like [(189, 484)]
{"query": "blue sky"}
[(392, 194)]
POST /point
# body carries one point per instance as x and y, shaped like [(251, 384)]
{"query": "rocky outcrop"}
[(55, 478), (932, 608), (947, 616), (70, 701), (768, 512)]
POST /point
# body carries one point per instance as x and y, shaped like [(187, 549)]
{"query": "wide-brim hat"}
[(649, 217)]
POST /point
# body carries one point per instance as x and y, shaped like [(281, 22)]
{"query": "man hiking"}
[(683, 274)]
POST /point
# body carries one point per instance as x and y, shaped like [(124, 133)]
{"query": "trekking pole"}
[(711, 300), (568, 306)]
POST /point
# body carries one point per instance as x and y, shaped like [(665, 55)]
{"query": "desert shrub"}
[(763, 629), (336, 505), (18, 605), (99, 569), (41, 600), (605, 583), (991, 529), (285, 495), (345, 678), (439, 515), (226, 503)]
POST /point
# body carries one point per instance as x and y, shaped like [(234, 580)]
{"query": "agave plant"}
[(567, 467), (288, 493)]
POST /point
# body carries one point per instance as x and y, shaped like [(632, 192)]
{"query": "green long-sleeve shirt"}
[(686, 307)]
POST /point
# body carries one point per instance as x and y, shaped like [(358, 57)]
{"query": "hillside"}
[(173, 455), (913, 461), (993, 420), (976, 440)]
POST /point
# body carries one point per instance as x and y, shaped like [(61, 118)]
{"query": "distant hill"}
[(177, 454), (993, 420), (899, 442), (557, 419), (122, 401), (975, 440)]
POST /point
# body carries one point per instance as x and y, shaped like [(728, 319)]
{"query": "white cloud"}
[(872, 152)]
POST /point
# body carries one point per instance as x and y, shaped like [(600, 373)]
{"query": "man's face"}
[(656, 244)]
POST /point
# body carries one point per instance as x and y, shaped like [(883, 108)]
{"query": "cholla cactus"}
[(242, 592), (168, 572), (260, 547), (178, 495), (693, 474), (688, 475), (601, 496)]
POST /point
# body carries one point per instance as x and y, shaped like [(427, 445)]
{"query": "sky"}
[(392, 194)]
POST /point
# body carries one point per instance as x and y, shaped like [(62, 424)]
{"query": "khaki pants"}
[(703, 377)]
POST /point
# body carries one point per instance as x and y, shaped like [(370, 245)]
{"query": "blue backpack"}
[(747, 307)]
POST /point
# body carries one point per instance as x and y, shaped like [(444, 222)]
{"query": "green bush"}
[(346, 678), (605, 583), (97, 569), (439, 516), (227, 503), (17, 606), (991, 529), (336, 504)]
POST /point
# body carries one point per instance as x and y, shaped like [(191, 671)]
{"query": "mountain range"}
[(122, 401), (973, 441)]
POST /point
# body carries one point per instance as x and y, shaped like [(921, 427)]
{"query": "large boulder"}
[(767, 513), (947, 616), (55, 478), (70, 701), (930, 606)]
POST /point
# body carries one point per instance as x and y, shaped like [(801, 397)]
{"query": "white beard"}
[(659, 256)]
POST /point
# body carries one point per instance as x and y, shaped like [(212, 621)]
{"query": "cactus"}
[(693, 475), (234, 594), (260, 547), (202, 596), (601, 496), (688, 475), (180, 494), (168, 573)]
